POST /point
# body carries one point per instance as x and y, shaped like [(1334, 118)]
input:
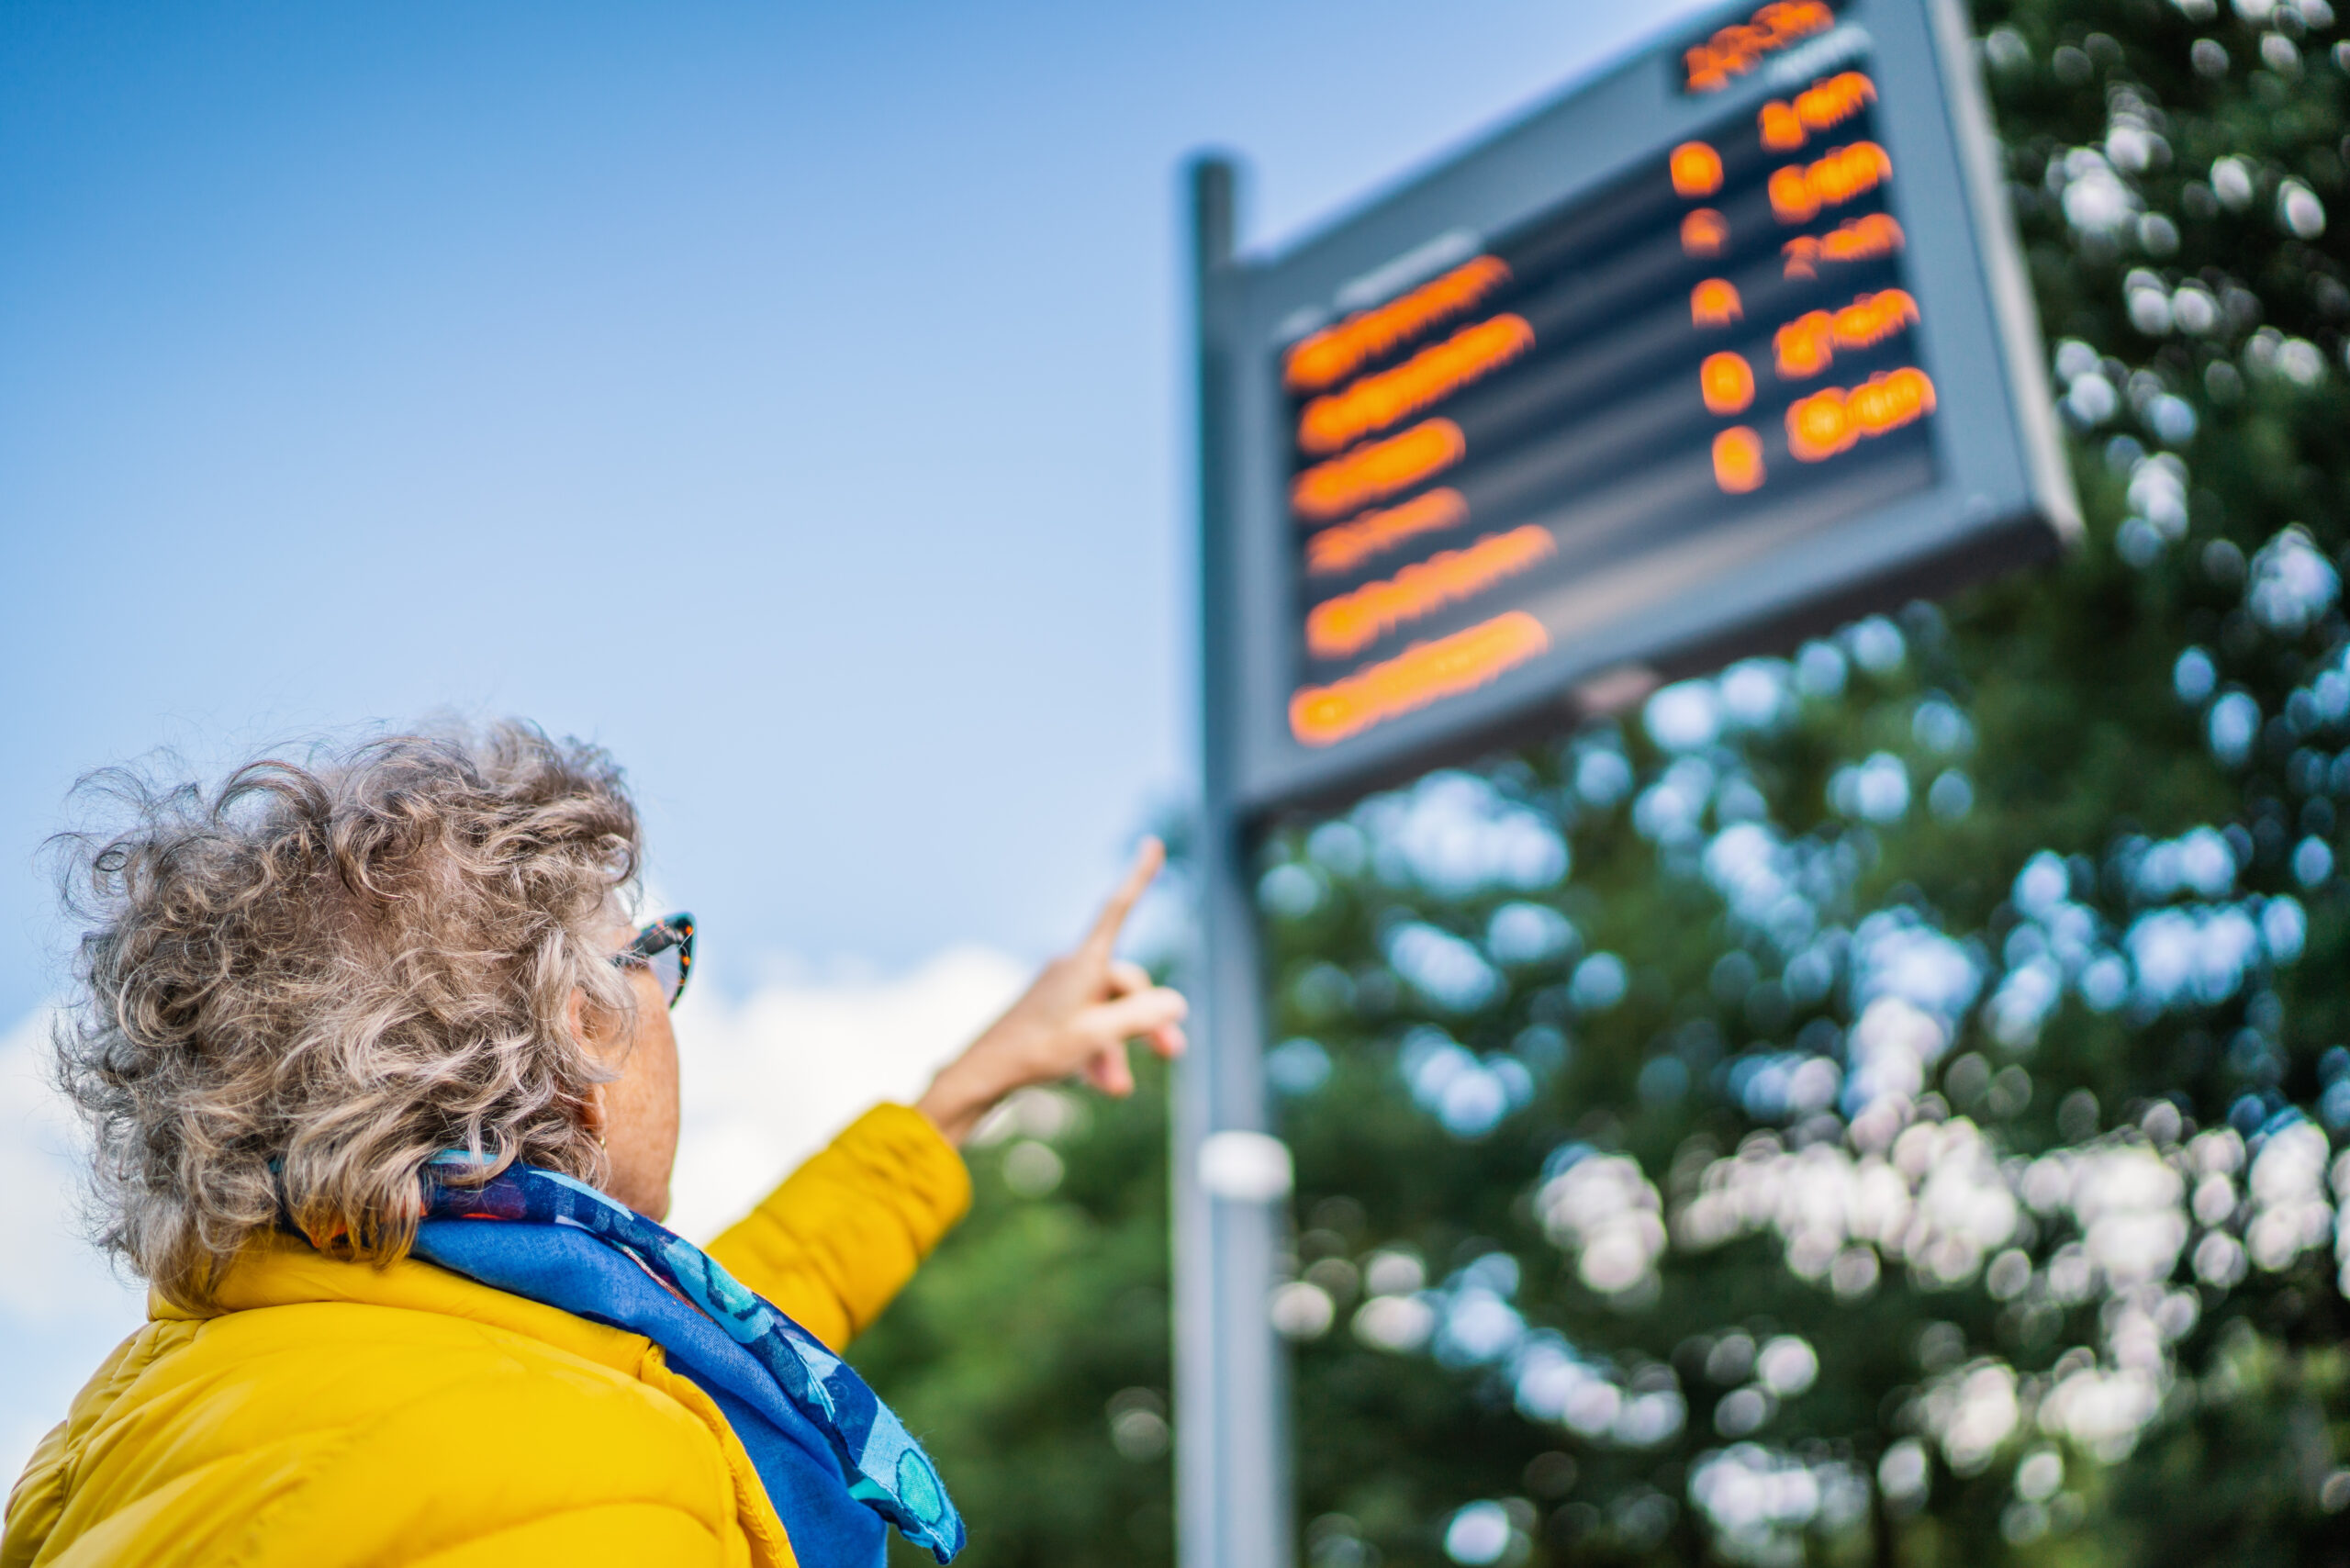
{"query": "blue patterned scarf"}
[(835, 1462)]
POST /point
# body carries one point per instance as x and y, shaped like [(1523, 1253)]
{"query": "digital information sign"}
[(1730, 340), (1728, 344)]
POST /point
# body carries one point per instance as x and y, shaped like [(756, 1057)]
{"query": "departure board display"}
[(1729, 341)]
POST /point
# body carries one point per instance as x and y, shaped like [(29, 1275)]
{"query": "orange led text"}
[(1807, 345), (1726, 382), (1697, 170), (1353, 621), (1855, 239), (1715, 303), (1817, 108), (1737, 459), (1834, 101), (1703, 232), (1831, 420), (1799, 191), (1378, 470), (1422, 674), (1346, 545), (1872, 318), (1335, 419), (1737, 50), (1335, 353)]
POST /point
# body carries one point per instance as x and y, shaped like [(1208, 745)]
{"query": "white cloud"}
[(54, 1276), (767, 1081), (61, 1307)]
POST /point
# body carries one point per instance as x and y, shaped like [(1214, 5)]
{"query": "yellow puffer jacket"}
[(327, 1413)]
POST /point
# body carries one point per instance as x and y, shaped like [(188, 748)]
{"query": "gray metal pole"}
[(1232, 1470)]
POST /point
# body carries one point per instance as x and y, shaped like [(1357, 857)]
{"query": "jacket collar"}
[(285, 1270)]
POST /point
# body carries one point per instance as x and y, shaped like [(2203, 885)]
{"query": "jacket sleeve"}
[(37, 1501), (842, 1234)]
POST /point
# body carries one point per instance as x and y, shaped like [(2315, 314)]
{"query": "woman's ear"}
[(574, 1018)]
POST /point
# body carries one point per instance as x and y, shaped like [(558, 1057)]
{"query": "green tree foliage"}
[(1031, 1354), (1878, 1105)]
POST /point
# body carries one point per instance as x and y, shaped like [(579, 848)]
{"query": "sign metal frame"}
[(2001, 496)]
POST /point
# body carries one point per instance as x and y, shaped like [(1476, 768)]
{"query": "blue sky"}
[(792, 398)]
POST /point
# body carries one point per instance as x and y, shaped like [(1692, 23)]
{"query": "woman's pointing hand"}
[(1075, 1019)]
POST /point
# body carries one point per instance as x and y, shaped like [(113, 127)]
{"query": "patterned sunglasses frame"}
[(665, 946)]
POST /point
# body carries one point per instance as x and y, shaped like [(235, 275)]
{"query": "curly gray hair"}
[(296, 989)]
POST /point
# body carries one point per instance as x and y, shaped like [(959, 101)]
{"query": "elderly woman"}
[(385, 1100)]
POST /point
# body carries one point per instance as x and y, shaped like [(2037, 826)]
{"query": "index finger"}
[(1148, 860)]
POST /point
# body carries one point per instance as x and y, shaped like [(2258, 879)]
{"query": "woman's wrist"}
[(960, 1098)]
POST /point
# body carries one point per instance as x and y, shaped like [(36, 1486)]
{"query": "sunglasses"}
[(665, 946)]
